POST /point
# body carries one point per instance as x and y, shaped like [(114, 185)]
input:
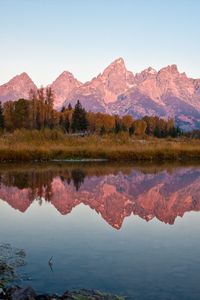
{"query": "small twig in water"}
[(51, 263)]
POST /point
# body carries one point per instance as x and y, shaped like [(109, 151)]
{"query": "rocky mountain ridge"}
[(166, 93)]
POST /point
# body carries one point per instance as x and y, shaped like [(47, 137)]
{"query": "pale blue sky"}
[(46, 37)]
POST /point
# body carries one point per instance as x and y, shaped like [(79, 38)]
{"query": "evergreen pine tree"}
[(1, 117), (102, 130), (118, 126), (157, 132), (79, 118), (69, 106), (132, 129)]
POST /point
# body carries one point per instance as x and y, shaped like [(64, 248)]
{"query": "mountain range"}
[(165, 93)]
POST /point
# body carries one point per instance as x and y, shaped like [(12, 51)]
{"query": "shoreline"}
[(22, 293), (80, 160), (120, 155)]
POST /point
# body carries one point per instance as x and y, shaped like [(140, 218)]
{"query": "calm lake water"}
[(128, 230)]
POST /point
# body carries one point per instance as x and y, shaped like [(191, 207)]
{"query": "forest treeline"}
[(38, 113)]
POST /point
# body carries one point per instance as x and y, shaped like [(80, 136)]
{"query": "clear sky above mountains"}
[(45, 37)]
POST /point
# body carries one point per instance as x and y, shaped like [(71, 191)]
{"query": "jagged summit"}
[(117, 65), (150, 70), (66, 74), (23, 77), (118, 61), (170, 69)]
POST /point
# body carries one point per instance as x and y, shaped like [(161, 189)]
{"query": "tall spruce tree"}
[(79, 118), (69, 106), (1, 117)]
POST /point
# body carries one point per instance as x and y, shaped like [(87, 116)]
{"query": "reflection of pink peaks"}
[(163, 196), (63, 197), (18, 199)]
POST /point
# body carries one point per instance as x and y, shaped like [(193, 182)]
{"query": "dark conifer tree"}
[(79, 118), (102, 130), (1, 117), (63, 109), (118, 126), (69, 106), (157, 132), (132, 129)]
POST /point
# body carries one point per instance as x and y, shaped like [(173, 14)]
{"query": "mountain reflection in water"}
[(114, 192)]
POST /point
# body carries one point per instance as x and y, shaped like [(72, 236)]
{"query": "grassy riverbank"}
[(24, 145)]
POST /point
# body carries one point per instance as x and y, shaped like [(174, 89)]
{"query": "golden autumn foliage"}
[(38, 113)]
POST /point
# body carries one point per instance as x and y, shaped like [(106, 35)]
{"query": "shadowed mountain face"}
[(165, 93), (113, 192)]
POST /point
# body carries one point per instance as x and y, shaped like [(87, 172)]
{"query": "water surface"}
[(128, 230)]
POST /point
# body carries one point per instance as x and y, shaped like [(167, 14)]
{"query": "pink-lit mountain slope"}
[(18, 87), (165, 93)]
